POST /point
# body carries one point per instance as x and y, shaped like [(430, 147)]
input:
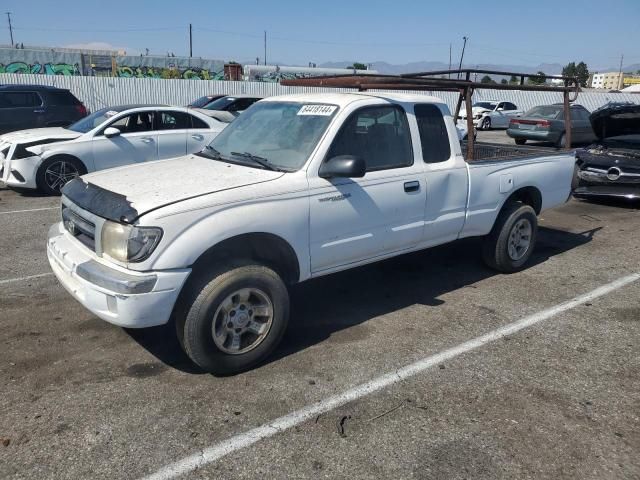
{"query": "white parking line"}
[(29, 210), (30, 277), (243, 440)]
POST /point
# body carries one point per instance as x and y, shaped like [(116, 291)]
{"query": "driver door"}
[(137, 142)]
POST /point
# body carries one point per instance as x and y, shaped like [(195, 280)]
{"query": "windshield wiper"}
[(211, 152), (257, 159)]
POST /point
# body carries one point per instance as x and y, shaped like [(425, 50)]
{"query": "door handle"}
[(39, 110), (146, 140), (411, 186), (197, 137)]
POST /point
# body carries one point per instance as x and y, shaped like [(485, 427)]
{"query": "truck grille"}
[(81, 228)]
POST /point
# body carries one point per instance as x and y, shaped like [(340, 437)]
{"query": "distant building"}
[(631, 80), (608, 80)]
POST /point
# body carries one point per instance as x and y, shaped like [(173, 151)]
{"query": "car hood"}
[(126, 193), (475, 111), (615, 120), (38, 134)]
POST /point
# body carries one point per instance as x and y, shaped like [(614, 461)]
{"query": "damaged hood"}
[(39, 134), (475, 111), (615, 120), (125, 193)]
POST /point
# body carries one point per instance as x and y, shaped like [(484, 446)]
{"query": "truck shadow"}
[(327, 305)]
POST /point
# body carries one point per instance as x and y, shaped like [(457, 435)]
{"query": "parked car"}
[(610, 167), (47, 158), (491, 114), (232, 103), (34, 106), (545, 123), (463, 132), (202, 102), (297, 187)]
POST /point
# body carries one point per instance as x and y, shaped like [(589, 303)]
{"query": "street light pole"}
[(10, 29), (462, 55)]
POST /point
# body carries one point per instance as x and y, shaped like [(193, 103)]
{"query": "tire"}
[(219, 306), (562, 141), (521, 141), (486, 124), (56, 171), (496, 251)]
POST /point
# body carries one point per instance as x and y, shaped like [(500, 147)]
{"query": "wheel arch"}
[(266, 248), (529, 195)]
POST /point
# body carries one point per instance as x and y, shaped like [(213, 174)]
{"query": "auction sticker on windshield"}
[(322, 110)]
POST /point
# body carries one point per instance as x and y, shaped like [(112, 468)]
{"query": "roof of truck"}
[(344, 99)]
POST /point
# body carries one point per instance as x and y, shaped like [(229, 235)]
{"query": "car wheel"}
[(512, 239), (562, 141), (230, 320), (55, 172), (486, 124), (521, 141)]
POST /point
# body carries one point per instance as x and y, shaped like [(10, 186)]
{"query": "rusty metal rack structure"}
[(462, 83)]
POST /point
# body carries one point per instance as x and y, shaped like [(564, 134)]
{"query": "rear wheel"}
[(231, 319), (486, 124), (512, 239), (521, 141), (562, 141), (55, 172)]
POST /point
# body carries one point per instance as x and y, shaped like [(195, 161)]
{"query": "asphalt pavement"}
[(557, 398)]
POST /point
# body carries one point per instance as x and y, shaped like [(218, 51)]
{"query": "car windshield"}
[(202, 101), (487, 105), (283, 133), (550, 113), (220, 103), (92, 121)]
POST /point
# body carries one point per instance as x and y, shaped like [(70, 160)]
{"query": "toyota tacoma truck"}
[(297, 187)]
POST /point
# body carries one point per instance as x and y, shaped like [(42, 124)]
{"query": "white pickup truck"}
[(297, 187)]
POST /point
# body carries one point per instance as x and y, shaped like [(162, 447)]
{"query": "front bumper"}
[(21, 172), (627, 192), (116, 295)]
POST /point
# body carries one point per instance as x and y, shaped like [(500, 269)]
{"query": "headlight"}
[(478, 116), (127, 243)]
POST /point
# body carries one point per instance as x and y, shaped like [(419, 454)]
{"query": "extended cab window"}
[(433, 133), (379, 135)]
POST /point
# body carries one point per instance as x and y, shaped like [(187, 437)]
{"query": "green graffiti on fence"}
[(66, 69)]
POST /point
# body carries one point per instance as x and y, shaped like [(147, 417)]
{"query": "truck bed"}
[(491, 152)]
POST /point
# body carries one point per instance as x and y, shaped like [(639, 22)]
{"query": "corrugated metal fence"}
[(99, 92)]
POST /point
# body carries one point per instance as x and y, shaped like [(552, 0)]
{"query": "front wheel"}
[(486, 124), (512, 239), (521, 141), (55, 172), (232, 319)]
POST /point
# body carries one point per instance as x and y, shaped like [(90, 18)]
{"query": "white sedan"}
[(491, 114), (47, 158)]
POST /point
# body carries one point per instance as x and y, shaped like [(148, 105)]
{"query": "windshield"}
[(487, 105), (283, 133), (549, 113), (202, 101), (92, 121)]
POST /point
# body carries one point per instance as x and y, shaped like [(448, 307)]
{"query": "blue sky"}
[(395, 31)]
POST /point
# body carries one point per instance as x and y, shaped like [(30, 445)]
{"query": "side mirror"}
[(111, 132), (501, 109), (345, 166)]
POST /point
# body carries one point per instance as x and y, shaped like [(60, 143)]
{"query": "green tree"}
[(514, 80), (486, 79), (504, 81), (580, 71), (358, 66), (539, 79)]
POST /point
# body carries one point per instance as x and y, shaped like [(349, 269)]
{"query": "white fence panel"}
[(99, 92)]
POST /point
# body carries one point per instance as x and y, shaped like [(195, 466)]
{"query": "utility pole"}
[(449, 60), (265, 47), (10, 29), (620, 80), (462, 55), (190, 41)]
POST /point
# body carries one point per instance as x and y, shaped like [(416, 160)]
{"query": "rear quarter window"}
[(63, 99), (433, 133)]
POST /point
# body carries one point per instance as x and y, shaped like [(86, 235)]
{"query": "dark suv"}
[(35, 106)]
